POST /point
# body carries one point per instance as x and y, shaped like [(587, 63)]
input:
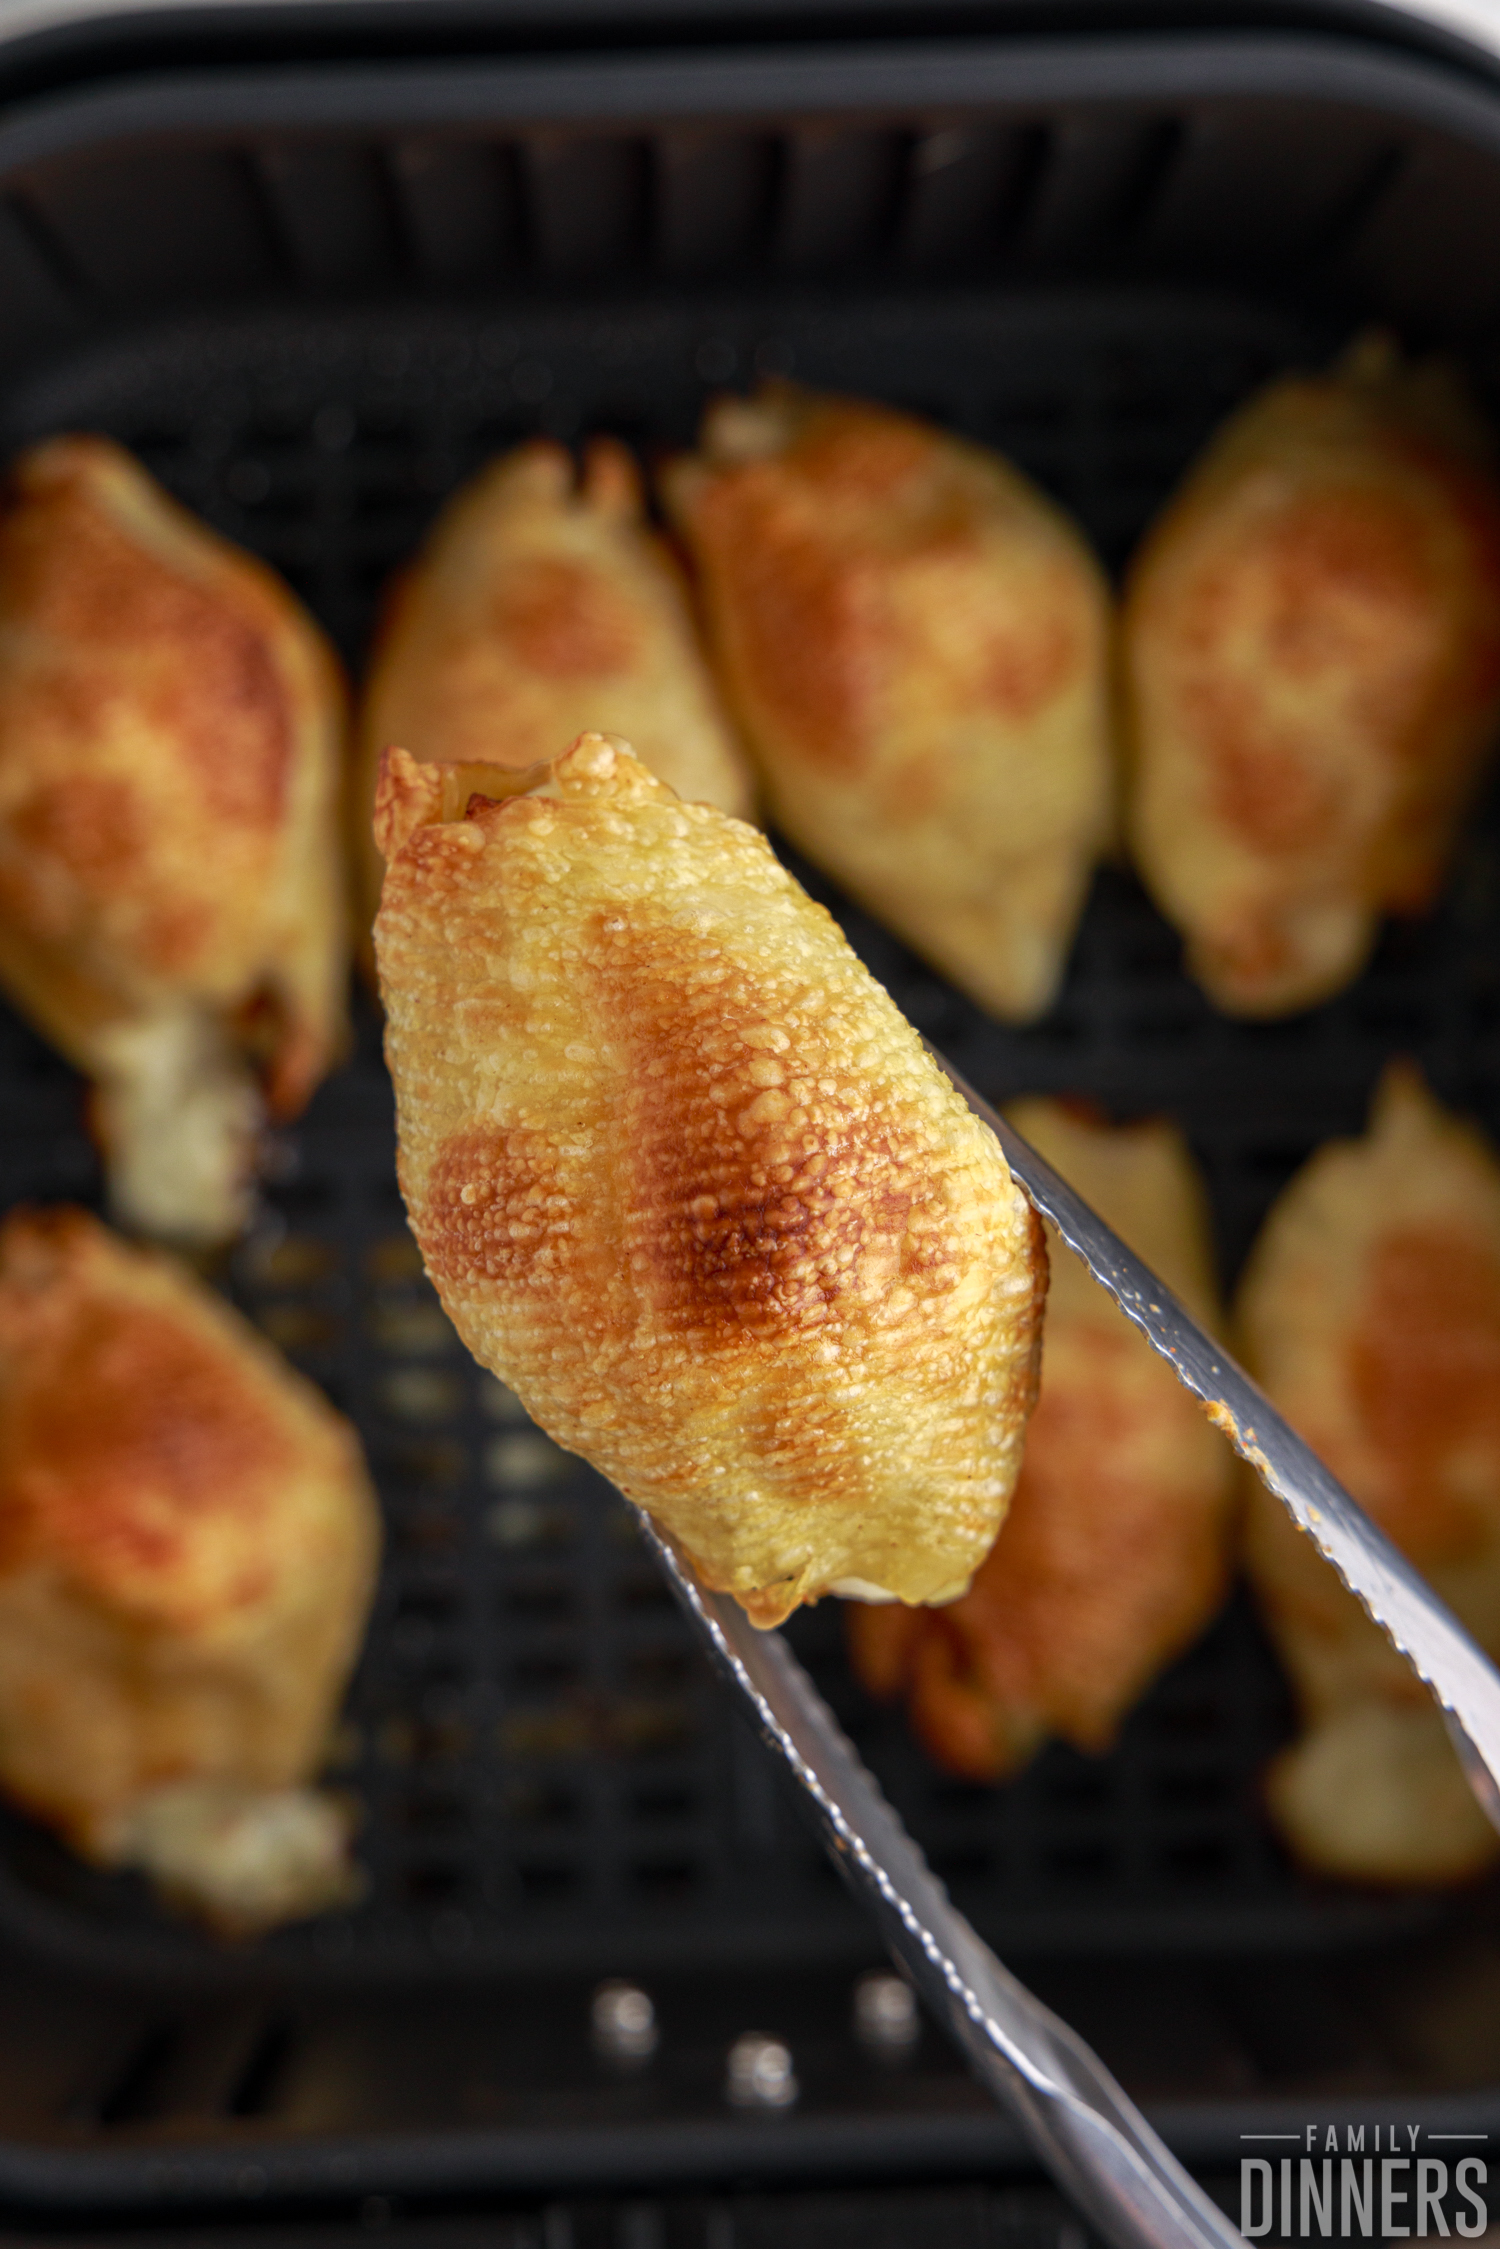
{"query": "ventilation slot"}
[(837, 198), (587, 202), (254, 2090), (966, 190), (143, 227), (460, 209), (332, 212), (125, 2091), (713, 196)]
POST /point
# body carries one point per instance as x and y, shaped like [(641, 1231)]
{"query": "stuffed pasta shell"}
[(173, 912), (689, 1184), (543, 604), (916, 645), (1370, 1312), (1312, 664), (1116, 1550), (188, 1543)]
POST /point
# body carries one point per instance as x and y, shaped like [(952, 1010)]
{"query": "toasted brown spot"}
[(170, 937), (93, 827), (233, 717), (1029, 660), (564, 620), (492, 1204), (137, 1430), (759, 1205), (763, 1202), (131, 634), (916, 787), (1339, 585), (860, 455), (1424, 1366), (1330, 601), (1262, 783), (811, 630), (728, 1252)]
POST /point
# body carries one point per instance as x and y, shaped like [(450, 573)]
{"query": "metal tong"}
[(1080, 2124)]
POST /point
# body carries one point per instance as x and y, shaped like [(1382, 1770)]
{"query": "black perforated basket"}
[(546, 1772)]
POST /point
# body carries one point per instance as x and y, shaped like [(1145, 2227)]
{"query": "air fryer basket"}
[(313, 302)]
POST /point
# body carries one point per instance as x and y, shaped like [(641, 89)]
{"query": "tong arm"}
[(1426, 1632), (1082, 2127)]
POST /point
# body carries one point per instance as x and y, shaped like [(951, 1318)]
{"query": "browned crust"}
[(915, 644), (187, 1535), (688, 1183), (1312, 657), (541, 603), (1116, 1549), (1370, 1311), (171, 730)]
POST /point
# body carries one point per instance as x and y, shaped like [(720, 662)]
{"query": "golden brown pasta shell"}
[(1115, 1552), (1370, 1312), (916, 645), (172, 904), (1312, 658), (688, 1183), (187, 1540), (542, 605)]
